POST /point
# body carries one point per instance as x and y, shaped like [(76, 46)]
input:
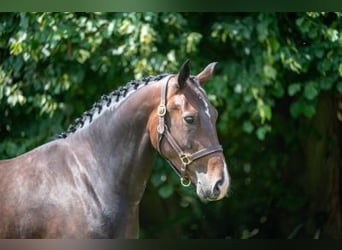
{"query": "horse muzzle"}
[(213, 188)]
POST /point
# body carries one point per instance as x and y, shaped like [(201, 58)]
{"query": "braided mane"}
[(106, 101)]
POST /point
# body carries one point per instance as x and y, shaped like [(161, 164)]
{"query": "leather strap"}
[(162, 111)]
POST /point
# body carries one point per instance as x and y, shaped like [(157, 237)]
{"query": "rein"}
[(163, 131)]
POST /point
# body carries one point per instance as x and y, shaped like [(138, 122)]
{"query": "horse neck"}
[(119, 143)]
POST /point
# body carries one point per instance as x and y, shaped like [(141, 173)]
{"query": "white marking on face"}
[(206, 108), (201, 95)]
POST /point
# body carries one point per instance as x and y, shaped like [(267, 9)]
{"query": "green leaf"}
[(278, 92), (310, 90), (332, 34), (270, 72), (274, 43), (319, 53), (262, 131), (83, 55), (340, 69), (300, 21), (306, 108), (326, 83), (165, 191), (248, 127), (324, 66), (265, 112), (293, 89), (11, 148), (156, 180), (295, 65), (262, 31), (309, 110)]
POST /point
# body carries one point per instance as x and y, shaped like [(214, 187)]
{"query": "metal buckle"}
[(185, 159), (160, 129), (184, 183), (161, 110)]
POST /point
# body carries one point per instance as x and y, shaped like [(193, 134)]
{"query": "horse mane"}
[(107, 100)]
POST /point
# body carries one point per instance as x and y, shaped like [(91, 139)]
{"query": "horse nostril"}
[(217, 187)]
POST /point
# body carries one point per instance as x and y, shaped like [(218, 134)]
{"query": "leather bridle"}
[(163, 131)]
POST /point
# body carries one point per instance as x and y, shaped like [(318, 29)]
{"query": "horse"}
[(88, 182)]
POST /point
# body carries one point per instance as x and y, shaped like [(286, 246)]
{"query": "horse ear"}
[(206, 74), (183, 74)]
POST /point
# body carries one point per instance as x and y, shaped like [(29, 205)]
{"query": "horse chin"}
[(206, 199), (207, 196)]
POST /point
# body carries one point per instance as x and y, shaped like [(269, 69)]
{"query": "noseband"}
[(163, 131)]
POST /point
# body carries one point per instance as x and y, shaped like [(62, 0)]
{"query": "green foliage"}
[(272, 69), (50, 61)]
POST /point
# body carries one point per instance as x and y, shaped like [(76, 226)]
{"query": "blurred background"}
[(277, 87)]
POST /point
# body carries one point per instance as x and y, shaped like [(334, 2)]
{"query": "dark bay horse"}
[(90, 181)]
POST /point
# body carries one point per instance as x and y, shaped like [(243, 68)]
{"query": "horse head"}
[(183, 131)]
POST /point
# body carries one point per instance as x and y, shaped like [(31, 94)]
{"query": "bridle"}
[(163, 131)]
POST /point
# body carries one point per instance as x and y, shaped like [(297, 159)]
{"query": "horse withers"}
[(90, 181)]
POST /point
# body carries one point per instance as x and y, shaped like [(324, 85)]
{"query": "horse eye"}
[(189, 119)]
